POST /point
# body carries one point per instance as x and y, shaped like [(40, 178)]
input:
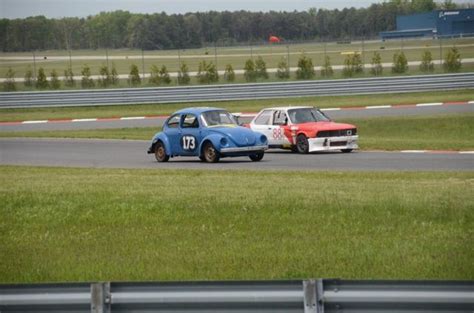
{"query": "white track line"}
[(413, 151), (429, 104), (466, 152), (331, 109), (379, 107), (84, 120), (34, 122), (132, 118)]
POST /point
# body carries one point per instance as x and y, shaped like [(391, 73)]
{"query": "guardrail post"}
[(309, 291), (320, 296), (100, 298)]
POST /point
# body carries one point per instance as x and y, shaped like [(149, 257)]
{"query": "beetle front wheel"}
[(257, 156), (211, 155)]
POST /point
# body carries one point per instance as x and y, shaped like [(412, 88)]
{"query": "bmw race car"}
[(209, 133), (303, 130)]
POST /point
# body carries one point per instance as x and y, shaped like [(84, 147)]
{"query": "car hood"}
[(240, 136), (325, 126)]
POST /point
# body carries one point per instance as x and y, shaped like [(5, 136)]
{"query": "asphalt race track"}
[(339, 115), (131, 154)]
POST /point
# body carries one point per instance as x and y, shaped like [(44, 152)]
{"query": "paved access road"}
[(131, 154), (337, 115)]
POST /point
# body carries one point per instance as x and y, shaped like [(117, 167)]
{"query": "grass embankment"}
[(233, 106), (99, 225), (437, 132)]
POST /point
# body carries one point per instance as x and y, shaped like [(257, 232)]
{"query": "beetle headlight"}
[(263, 139), (224, 141)]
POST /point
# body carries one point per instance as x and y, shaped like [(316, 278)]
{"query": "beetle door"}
[(190, 134), (173, 132)]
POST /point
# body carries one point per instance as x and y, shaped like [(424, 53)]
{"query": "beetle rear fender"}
[(164, 139), (214, 139)]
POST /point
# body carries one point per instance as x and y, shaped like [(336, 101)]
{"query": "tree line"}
[(122, 29), (254, 70)]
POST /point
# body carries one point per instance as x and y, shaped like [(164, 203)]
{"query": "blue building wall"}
[(436, 23)]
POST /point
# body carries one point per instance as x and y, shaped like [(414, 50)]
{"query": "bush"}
[(54, 81), (229, 74), (452, 62), (159, 76), (9, 83), (426, 62), (283, 71), (86, 81), (261, 68), (305, 68), (376, 64), (41, 81), (207, 73), (134, 76), (400, 63), (105, 78), (183, 75), (114, 78), (69, 78), (352, 65), (28, 77), (250, 73), (326, 70)]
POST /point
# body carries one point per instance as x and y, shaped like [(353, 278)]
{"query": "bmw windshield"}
[(218, 118), (307, 115)]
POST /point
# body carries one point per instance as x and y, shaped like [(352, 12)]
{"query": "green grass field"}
[(437, 132), (234, 106), (236, 56), (62, 225)]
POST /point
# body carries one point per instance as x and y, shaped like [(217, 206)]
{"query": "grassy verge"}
[(99, 225), (437, 132), (234, 106)]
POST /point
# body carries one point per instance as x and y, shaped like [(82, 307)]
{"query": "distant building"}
[(439, 23)]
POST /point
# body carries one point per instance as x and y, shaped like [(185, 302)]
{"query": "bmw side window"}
[(173, 122), (264, 118), (279, 118), (190, 121)]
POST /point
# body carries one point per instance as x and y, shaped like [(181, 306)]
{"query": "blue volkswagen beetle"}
[(209, 133)]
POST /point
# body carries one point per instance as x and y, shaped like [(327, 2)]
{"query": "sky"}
[(83, 8)]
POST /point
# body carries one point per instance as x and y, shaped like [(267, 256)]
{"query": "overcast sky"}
[(82, 8)]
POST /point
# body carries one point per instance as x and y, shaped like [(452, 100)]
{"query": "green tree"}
[(250, 73), (164, 75), (28, 77), (305, 68), (134, 76), (54, 80), (155, 75), (400, 63), (261, 68), (352, 65), (9, 83), (114, 78), (207, 73), (86, 81), (229, 74), (452, 61), (183, 74), (105, 79), (377, 68), (426, 62), (448, 5), (326, 70), (41, 80), (283, 71), (69, 78)]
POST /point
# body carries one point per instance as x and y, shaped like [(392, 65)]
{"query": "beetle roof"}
[(197, 110)]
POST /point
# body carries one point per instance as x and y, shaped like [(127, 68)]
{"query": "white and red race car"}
[(304, 129)]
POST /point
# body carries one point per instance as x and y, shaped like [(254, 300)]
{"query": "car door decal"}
[(188, 143)]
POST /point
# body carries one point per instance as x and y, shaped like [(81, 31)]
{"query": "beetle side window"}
[(263, 118), (190, 121), (173, 122)]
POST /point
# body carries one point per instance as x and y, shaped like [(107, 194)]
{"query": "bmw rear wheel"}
[(160, 152), (302, 144), (211, 155), (257, 156), (346, 150)]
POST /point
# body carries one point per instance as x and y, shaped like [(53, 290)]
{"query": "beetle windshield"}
[(307, 115), (218, 118)]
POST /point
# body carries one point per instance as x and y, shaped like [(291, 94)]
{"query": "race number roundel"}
[(188, 142)]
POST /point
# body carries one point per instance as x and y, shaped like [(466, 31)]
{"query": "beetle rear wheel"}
[(302, 144), (160, 152), (210, 154), (346, 150), (257, 156)]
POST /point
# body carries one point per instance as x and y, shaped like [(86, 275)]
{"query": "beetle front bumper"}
[(333, 143)]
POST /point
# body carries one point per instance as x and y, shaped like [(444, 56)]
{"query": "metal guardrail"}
[(308, 296), (236, 91)]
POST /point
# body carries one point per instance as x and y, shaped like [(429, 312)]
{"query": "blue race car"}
[(209, 133)]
